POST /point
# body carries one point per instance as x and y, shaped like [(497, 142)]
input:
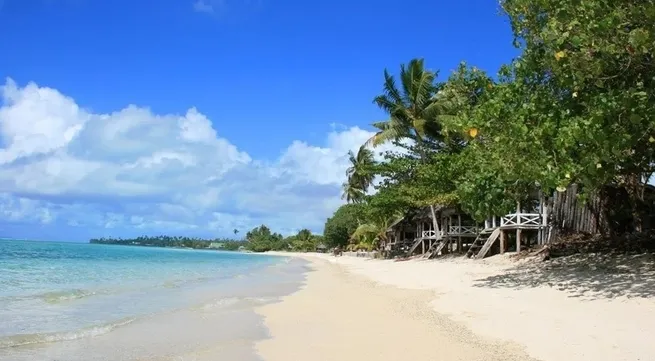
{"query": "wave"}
[(67, 295), (234, 302), (219, 303), (39, 338)]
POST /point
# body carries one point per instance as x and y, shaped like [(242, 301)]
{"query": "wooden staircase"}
[(436, 248), (417, 242), (483, 243), (441, 242), (487, 245)]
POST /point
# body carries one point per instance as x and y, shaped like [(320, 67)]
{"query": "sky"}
[(197, 117)]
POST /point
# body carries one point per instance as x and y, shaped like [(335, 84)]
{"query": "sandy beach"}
[(458, 309)]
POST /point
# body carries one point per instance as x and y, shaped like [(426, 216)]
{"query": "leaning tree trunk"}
[(435, 224), (433, 213)]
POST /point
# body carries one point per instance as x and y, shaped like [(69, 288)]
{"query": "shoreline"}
[(591, 309), (207, 320)]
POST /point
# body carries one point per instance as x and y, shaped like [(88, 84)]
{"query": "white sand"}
[(344, 317), (600, 310)]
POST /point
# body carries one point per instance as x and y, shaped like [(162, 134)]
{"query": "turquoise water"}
[(54, 293)]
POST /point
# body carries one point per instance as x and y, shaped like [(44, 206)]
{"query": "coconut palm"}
[(413, 112), (304, 241), (369, 235), (359, 175), (352, 193)]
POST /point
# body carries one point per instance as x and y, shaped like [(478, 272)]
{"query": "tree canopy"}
[(342, 224), (577, 106)]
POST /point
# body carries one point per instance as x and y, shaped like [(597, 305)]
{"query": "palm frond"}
[(391, 90)]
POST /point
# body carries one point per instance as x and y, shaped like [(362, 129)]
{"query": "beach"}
[(353, 308), (148, 304)]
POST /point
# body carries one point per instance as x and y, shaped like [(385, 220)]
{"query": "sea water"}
[(71, 301)]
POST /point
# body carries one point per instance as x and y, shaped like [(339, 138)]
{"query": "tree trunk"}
[(433, 213), (435, 224), (635, 193)]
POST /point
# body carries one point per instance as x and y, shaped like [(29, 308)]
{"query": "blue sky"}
[(122, 118)]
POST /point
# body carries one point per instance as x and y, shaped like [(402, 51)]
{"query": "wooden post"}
[(540, 233), (459, 238), (518, 227), (503, 242), (544, 220), (445, 229)]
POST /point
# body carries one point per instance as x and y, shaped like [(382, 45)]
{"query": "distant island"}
[(224, 244), (258, 239)]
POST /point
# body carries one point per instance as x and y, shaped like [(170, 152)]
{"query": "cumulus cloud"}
[(135, 170)]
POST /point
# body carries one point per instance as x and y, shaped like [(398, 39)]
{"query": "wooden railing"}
[(463, 230), (521, 220), (431, 234)]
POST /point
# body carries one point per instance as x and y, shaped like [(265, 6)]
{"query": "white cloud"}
[(138, 170), (202, 6), (14, 208)]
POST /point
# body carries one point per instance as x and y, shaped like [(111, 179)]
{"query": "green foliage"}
[(342, 224), (232, 245), (173, 241), (359, 175), (304, 241), (261, 239), (592, 64), (577, 106), (370, 234), (386, 202)]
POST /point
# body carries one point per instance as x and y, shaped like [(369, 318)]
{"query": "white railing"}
[(521, 220), (431, 234), (463, 230), (491, 223)]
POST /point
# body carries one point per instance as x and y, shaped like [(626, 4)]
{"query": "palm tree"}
[(304, 241), (413, 113), (370, 235), (360, 174), (352, 193)]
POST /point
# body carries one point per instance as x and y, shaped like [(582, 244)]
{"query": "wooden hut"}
[(525, 226), (321, 248), (542, 217), (536, 221), (416, 234)]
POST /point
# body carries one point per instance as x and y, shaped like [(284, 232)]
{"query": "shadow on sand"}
[(586, 276)]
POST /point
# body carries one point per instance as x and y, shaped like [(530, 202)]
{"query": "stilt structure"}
[(529, 220), (458, 232)]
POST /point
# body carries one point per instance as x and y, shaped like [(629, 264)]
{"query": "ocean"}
[(87, 302)]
